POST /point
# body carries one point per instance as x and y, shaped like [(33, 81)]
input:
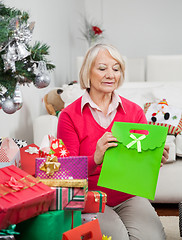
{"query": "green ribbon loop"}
[(9, 231)]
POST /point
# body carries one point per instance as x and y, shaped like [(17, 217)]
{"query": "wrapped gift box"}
[(69, 194), (70, 168), (68, 198), (9, 153), (49, 225), (28, 155), (21, 196), (95, 202)]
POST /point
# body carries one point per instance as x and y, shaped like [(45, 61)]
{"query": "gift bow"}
[(51, 165), (9, 231), (136, 140), (14, 184), (32, 150), (106, 238)]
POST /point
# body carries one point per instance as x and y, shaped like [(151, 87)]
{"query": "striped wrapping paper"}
[(69, 198)]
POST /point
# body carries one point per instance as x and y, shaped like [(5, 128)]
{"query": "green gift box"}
[(133, 166), (48, 226)]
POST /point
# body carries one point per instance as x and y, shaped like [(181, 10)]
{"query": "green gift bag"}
[(133, 166), (48, 226)]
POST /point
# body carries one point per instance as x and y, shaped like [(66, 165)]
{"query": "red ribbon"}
[(72, 218), (14, 184)]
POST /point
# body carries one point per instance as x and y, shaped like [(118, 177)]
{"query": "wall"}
[(142, 27), (136, 28)]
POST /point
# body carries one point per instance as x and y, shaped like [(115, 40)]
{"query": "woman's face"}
[(105, 73)]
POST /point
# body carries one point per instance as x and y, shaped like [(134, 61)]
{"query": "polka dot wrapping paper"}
[(74, 167)]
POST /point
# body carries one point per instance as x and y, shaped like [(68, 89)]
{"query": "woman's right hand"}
[(105, 142)]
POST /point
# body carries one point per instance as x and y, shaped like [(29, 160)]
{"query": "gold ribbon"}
[(27, 181), (51, 165)]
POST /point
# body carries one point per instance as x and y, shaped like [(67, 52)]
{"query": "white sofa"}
[(170, 176)]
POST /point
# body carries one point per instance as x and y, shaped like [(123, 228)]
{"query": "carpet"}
[(171, 227)]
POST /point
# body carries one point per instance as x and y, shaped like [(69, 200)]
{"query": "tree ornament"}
[(21, 51), (9, 58), (42, 79), (8, 106), (1, 101), (17, 97)]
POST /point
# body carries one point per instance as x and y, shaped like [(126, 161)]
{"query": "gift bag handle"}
[(87, 231)]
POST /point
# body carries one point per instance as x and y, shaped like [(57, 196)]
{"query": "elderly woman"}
[(85, 128)]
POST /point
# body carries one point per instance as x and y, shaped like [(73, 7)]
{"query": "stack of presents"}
[(44, 193)]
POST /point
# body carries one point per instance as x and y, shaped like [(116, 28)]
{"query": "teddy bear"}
[(57, 99), (53, 101)]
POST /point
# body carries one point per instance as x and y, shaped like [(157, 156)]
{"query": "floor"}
[(166, 209)]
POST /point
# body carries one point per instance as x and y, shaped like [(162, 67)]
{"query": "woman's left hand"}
[(165, 155)]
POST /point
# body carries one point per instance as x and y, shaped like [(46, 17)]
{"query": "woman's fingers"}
[(108, 137), (165, 155), (106, 141)]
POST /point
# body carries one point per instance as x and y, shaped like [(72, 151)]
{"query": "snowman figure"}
[(162, 108)]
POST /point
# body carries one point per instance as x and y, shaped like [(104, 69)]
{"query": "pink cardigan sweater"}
[(80, 133)]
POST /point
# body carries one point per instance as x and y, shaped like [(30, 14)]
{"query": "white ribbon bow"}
[(136, 140), (32, 150)]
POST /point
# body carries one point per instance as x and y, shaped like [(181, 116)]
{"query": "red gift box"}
[(28, 155), (21, 196), (95, 201)]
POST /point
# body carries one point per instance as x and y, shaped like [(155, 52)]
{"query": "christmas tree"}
[(20, 63)]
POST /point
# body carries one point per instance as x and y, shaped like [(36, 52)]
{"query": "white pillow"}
[(172, 92), (138, 92)]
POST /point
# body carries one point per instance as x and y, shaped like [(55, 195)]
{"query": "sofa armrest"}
[(170, 141), (43, 125)]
